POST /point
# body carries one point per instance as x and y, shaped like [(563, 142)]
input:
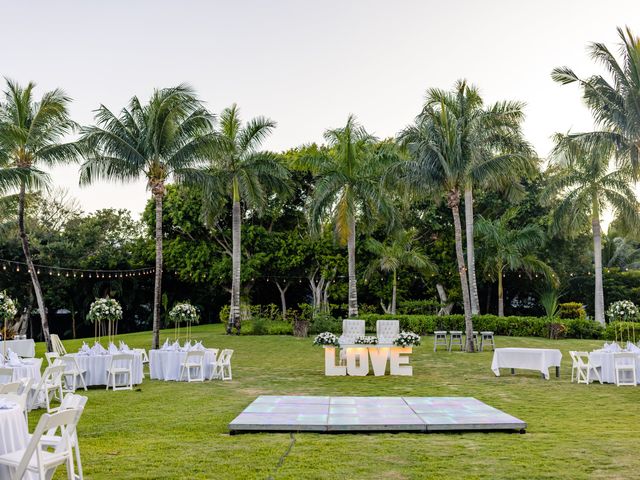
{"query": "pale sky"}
[(307, 64)]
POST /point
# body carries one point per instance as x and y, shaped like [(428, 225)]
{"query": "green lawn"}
[(179, 430)]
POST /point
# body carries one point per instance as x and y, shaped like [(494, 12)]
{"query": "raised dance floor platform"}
[(371, 414)]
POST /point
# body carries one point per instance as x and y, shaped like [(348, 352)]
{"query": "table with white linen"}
[(30, 368), (606, 360), (13, 433), (24, 348), (96, 368), (165, 364), (539, 359)]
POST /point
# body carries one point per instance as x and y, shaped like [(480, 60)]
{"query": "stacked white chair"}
[(584, 368), (387, 331), (194, 361), (214, 362), (222, 367), (49, 386), (73, 374), (57, 345), (6, 375), (625, 366), (36, 458), (121, 364)]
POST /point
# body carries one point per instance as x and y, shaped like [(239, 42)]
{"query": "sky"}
[(307, 64)]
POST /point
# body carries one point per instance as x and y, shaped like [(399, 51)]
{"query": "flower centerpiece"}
[(105, 313), (184, 313), (326, 338), (407, 339), (623, 311), (366, 340), (8, 311)]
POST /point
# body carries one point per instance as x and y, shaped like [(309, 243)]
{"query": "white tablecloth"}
[(29, 370), (96, 367), (13, 434), (24, 348), (539, 359), (165, 364), (605, 360)]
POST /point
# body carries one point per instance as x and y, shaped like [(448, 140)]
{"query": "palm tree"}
[(166, 138), (400, 251), (620, 252), (30, 135), (614, 104), (510, 249), (348, 188), (585, 184), (242, 173)]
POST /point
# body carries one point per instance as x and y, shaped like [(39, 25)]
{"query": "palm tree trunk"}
[(157, 289), (454, 204), (471, 256), (597, 260), (24, 239), (351, 248), (393, 293), (234, 312), (500, 295)]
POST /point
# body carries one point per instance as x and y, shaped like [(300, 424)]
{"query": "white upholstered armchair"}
[(387, 331), (351, 329)]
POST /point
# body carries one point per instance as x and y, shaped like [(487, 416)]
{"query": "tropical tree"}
[(399, 251), (614, 103), (31, 134), (348, 189), (165, 139), (620, 252), (585, 185), (504, 248), (240, 172)]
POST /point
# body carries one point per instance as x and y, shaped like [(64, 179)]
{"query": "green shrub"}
[(322, 322), (622, 331), (280, 328), (419, 307), (259, 326), (224, 314), (581, 328), (572, 310)]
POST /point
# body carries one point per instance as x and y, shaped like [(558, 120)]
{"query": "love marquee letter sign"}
[(359, 360)]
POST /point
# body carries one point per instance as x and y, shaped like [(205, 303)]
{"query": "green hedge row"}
[(509, 326)]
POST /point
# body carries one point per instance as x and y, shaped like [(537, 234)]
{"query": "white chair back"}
[(51, 357), (6, 375), (13, 387), (387, 331), (352, 329), (57, 345)]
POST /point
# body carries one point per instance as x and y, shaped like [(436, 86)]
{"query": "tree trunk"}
[(157, 289), (471, 257), (283, 298), (234, 312), (393, 293), (500, 295), (351, 248), (597, 260), (24, 239), (454, 204), (445, 305), (73, 322)]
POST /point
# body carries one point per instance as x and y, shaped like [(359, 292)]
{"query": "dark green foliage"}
[(324, 323), (622, 331), (418, 307), (571, 310)]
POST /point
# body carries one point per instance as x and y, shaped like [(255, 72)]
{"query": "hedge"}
[(509, 326)]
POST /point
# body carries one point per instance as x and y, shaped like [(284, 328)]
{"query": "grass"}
[(179, 430)]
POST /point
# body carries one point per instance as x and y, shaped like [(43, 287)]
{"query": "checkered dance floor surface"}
[(369, 414)]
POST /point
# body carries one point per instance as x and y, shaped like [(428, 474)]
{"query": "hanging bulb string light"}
[(75, 272)]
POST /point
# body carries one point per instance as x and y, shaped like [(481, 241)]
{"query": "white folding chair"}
[(585, 367), (143, 353), (213, 363), (47, 388), (19, 396), (193, 361), (574, 365), (6, 375), (37, 457), (51, 357), (57, 345), (387, 331), (121, 364), (224, 364), (73, 372), (13, 387), (625, 363)]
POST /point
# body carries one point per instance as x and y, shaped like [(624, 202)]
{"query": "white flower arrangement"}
[(407, 339), (326, 338), (366, 340), (105, 309), (184, 313), (8, 308), (622, 311)]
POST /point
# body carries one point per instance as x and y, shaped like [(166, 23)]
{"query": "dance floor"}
[(371, 414)]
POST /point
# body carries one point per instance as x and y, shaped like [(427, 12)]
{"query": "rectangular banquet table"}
[(96, 367), (539, 359), (605, 360), (165, 364), (24, 348)]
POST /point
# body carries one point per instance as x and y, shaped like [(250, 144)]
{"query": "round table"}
[(605, 360), (165, 364), (30, 368), (13, 433), (96, 368)]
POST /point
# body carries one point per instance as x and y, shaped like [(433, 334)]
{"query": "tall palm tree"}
[(510, 249), (31, 134), (584, 185), (615, 103), (242, 173), (399, 251), (348, 189), (165, 139)]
